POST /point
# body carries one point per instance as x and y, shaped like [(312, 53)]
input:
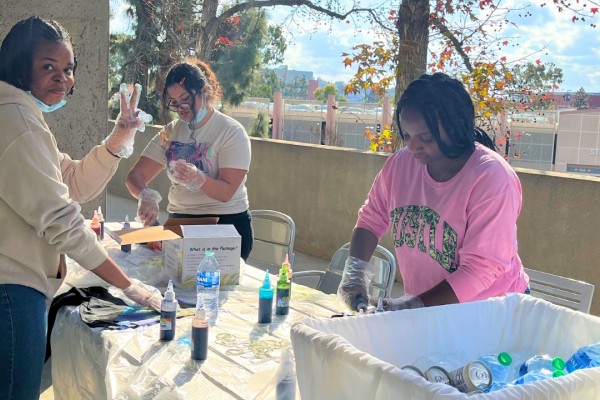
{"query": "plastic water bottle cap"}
[(504, 359), (209, 253), (557, 374), (558, 364)]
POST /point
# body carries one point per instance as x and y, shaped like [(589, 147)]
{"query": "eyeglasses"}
[(185, 104)]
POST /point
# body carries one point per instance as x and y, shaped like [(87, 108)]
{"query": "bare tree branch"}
[(241, 7), (455, 42)]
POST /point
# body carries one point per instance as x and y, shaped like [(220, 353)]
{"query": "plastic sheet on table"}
[(141, 367)]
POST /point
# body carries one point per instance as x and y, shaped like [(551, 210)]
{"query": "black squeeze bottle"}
[(282, 301), (265, 301), (168, 314), (200, 335), (126, 247)]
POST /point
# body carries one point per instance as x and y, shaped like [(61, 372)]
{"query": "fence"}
[(304, 121)]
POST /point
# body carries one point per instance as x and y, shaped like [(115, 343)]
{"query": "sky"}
[(547, 35)]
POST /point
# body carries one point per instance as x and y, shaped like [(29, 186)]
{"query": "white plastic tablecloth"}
[(134, 364)]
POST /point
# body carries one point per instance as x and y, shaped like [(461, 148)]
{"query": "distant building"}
[(313, 85), (289, 76), (564, 100)]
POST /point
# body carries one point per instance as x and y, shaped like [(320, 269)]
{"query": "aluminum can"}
[(474, 376), (437, 374), (413, 370)]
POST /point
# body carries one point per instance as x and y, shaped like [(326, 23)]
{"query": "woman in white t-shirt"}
[(207, 155)]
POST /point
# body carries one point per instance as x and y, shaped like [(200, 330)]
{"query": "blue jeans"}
[(22, 341)]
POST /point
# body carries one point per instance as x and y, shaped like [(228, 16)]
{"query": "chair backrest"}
[(560, 290), (274, 235), (382, 264)]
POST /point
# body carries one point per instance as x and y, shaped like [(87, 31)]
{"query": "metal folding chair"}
[(382, 264), (560, 290), (274, 234)]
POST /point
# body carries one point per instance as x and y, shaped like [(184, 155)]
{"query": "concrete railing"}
[(322, 188)]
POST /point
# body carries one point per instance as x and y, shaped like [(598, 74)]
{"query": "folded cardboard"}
[(140, 234), (184, 254)]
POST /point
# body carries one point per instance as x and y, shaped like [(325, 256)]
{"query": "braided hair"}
[(16, 52), (444, 101)]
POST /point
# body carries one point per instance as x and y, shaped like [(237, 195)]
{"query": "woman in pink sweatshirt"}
[(450, 201)]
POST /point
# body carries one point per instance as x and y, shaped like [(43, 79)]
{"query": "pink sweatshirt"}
[(463, 230)]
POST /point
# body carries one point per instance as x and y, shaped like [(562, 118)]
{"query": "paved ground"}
[(118, 207)]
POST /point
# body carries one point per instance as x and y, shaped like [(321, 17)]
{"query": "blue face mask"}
[(199, 116), (45, 107)]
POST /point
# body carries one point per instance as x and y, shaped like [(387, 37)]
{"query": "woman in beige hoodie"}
[(40, 189)]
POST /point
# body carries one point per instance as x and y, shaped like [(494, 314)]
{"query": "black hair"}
[(16, 52), (444, 100), (196, 77)]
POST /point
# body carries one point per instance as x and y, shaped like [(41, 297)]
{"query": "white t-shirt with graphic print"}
[(220, 143)]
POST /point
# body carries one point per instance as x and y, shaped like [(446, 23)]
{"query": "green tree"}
[(262, 90), (532, 84), (466, 34), (323, 92), (260, 127), (164, 32), (237, 58), (581, 100), (296, 89)]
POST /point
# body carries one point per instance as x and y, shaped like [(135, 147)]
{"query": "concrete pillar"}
[(277, 116), (386, 114), (83, 122), (331, 121)]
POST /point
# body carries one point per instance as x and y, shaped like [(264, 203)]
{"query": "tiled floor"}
[(118, 207)]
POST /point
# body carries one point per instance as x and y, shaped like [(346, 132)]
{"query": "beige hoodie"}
[(40, 219)]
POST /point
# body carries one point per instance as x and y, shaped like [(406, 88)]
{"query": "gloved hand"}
[(402, 303), (187, 174), (120, 141), (143, 294), (352, 290), (147, 211)]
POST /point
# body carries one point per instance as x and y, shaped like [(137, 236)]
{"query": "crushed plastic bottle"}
[(542, 361), (585, 357), (500, 367), (538, 375)]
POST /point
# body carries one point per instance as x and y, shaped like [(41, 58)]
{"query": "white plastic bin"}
[(360, 357)]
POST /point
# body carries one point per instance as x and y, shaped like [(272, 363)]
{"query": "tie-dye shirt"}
[(220, 143), (463, 230)]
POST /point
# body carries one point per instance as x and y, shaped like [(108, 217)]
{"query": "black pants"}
[(242, 223)]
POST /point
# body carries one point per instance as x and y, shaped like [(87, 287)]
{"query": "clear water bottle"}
[(585, 357), (500, 367), (542, 361), (534, 376), (538, 375), (207, 288), (499, 386)]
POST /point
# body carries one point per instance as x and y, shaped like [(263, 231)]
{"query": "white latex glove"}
[(402, 303), (352, 290), (143, 294), (187, 174), (120, 141), (148, 201)]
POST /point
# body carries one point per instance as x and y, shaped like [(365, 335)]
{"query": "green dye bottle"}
[(282, 300)]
